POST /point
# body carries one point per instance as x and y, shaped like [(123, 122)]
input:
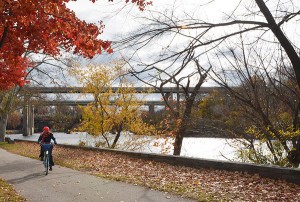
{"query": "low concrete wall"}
[(273, 172)]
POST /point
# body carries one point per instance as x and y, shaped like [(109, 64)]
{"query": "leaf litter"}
[(199, 184)]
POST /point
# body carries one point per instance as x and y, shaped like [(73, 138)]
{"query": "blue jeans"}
[(49, 148)]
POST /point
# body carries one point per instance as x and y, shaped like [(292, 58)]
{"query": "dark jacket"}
[(46, 137)]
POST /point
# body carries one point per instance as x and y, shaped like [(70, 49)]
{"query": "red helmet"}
[(46, 129)]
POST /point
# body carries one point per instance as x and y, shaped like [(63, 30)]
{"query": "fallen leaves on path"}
[(7, 193), (200, 184)]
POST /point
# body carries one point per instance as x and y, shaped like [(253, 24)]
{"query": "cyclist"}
[(45, 138)]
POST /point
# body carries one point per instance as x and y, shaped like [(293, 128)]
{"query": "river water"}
[(207, 148)]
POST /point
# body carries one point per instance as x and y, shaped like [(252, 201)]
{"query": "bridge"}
[(28, 110), (86, 102), (57, 90)]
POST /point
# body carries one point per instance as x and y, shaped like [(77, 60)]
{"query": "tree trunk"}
[(117, 137), (187, 114), (179, 139), (5, 107), (116, 140), (3, 123), (294, 157), (294, 153), (283, 40)]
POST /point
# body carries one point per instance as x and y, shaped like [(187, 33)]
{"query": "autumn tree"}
[(179, 104), (45, 27), (172, 34), (264, 91), (119, 111), (42, 27)]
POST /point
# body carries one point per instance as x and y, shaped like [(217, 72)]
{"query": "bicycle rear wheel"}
[(46, 162)]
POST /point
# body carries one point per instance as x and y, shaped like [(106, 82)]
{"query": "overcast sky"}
[(120, 18)]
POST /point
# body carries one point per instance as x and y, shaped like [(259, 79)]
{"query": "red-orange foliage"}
[(12, 71), (43, 27)]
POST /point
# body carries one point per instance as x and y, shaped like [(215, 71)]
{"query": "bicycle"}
[(46, 148)]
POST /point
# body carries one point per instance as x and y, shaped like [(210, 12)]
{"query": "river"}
[(207, 148)]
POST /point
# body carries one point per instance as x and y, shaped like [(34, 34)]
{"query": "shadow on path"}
[(26, 178)]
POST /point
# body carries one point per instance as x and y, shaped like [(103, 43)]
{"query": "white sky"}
[(120, 18)]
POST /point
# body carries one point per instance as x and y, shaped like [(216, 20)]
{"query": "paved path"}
[(63, 184)]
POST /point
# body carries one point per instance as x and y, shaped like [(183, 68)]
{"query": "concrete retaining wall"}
[(273, 172)]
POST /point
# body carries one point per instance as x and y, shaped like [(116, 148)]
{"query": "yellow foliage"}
[(286, 134), (120, 109), (285, 118)]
